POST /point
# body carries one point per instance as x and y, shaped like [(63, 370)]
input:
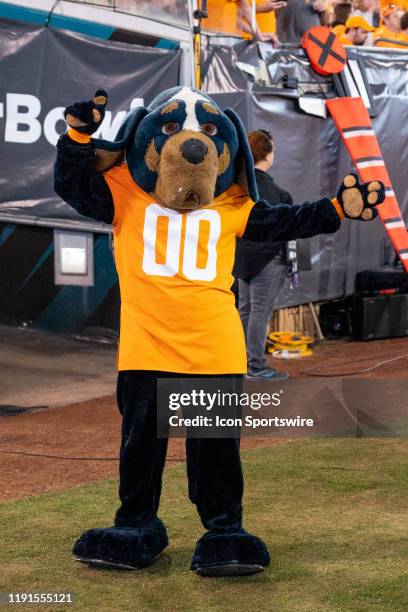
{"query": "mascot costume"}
[(178, 186)]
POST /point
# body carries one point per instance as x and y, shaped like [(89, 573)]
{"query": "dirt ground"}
[(41, 369), (86, 429), (59, 394)]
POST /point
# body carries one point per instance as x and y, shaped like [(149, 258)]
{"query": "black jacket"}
[(251, 257)]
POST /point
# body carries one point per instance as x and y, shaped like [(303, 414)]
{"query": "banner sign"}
[(310, 158), (42, 70), (354, 125)]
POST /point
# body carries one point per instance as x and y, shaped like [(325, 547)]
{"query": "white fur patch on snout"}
[(190, 98)]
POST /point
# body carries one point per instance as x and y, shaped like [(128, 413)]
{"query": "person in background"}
[(391, 28), (223, 17), (356, 31), (297, 16), (365, 8), (261, 267), (265, 29), (404, 27), (377, 14), (341, 13)]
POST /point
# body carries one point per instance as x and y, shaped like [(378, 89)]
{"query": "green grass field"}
[(333, 513)]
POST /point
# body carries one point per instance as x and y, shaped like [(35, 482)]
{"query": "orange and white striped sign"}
[(354, 125)]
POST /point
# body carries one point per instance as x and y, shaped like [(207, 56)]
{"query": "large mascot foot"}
[(229, 554), (122, 547)]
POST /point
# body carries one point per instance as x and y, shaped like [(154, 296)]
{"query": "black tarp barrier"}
[(310, 157), (42, 70)]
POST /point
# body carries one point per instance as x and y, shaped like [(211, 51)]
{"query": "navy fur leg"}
[(229, 554), (122, 547)]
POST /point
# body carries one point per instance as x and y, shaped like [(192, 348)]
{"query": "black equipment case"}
[(380, 305)]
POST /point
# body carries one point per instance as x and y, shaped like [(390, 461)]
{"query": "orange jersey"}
[(384, 32), (266, 21), (177, 310), (222, 17)]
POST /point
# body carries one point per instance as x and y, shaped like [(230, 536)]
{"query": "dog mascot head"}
[(183, 149)]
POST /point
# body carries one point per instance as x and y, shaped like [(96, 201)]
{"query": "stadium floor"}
[(58, 399)]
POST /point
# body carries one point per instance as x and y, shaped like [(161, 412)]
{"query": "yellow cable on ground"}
[(289, 345)]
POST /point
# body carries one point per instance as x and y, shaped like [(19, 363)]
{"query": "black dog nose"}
[(193, 150)]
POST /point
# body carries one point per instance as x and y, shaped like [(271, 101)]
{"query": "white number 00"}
[(171, 265)]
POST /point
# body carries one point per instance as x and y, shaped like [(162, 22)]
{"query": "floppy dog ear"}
[(109, 153), (245, 170)]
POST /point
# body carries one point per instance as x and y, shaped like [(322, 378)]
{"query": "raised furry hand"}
[(86, 117), (358, 200)]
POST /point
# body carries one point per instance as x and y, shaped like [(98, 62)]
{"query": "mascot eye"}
[(209, 128), (170, 128)]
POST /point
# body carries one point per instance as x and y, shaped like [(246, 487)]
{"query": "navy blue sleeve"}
[(78, 184), (286, 198), (289, 222)]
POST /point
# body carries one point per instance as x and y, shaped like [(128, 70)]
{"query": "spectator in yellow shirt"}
[(365, 8), (356, 31), (390, 33), (265, 20), (222, 17), (234, 17)]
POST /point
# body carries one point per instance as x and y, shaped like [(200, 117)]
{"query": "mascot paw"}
[(358, 201), (126, 548), (86, 117), (229, 554)]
